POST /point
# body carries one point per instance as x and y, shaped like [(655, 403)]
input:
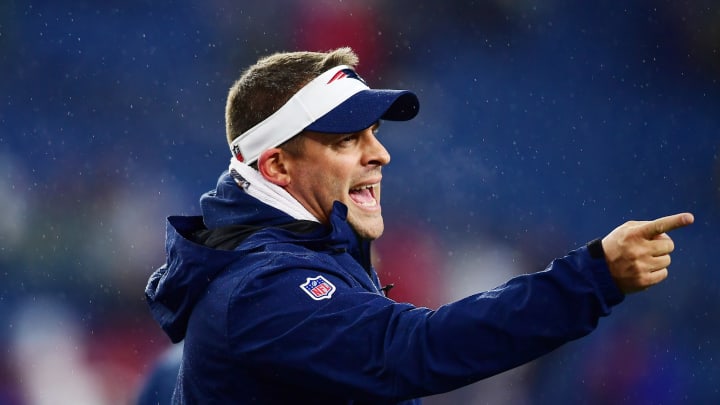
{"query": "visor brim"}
[(365, 108)]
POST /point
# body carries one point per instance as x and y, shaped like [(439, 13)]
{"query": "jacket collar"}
[(229, 205)]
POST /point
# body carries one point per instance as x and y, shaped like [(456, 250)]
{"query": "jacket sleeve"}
[(361, 344)]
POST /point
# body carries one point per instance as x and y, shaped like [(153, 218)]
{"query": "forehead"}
[(312, 137)]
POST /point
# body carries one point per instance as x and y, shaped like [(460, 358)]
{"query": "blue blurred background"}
[(542, 125)]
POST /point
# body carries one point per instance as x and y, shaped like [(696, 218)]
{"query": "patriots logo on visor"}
[(342, 74)]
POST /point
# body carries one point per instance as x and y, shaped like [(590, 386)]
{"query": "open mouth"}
[(364, 196)]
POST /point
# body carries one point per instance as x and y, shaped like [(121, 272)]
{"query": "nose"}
[(375, 153)]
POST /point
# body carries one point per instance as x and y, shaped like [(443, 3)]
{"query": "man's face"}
[(346, 168)]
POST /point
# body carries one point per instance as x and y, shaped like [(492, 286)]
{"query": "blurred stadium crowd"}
[(542, 126)]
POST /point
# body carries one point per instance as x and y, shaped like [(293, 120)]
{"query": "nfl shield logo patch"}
[(318, 288)]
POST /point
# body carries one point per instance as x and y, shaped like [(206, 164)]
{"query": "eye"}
[(348, 139)]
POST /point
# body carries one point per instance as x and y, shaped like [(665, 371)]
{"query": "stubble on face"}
[(330, 168)]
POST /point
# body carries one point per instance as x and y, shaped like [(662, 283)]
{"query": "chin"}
[(368, 228)]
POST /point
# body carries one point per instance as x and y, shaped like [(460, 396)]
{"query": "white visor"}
[(338, 86)]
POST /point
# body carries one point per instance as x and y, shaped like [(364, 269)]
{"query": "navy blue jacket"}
[(294, 313)]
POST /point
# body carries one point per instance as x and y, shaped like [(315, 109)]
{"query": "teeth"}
[(362, 187)]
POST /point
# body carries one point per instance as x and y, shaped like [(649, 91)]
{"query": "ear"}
[(272, 167)]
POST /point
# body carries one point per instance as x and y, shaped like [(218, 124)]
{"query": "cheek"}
[(322, 185), (331, 187)]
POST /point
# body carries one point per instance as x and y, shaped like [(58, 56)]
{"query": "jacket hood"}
[(174, 289)]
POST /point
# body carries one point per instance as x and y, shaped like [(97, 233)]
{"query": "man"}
[(273, 291)]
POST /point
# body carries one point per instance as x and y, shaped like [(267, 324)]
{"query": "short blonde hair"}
[(267, 85)]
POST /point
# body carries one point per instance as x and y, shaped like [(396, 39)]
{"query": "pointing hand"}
[(638, 252)]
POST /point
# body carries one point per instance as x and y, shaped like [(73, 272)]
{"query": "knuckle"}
[(632, 253)]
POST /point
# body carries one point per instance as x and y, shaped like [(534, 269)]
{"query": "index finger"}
[(666, 224)]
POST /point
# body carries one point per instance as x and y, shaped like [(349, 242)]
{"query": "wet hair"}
[(267, 85)]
